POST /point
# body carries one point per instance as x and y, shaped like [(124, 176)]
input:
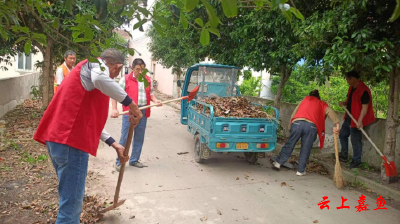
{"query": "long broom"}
[(337, 177)]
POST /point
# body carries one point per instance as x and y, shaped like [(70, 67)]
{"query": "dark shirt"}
[(364, 99)]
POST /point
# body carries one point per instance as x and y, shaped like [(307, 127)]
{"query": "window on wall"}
[(24, 62)]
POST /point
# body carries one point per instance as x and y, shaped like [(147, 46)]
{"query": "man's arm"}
[(364, 103), (101, 80), (364, 110), (334, 118), (294, 113), (153, 97), (115, 112), (105, 137)]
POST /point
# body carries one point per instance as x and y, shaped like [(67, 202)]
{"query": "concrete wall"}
[(14, 91), (376, 131)]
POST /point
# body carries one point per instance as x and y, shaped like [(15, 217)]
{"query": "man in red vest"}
[(142, 96), (359, 104), (73, 125), (306, 123), (64, 69)]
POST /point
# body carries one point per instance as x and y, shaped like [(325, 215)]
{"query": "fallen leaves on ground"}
[(235, 107), (315, 221), (283, 184), (312, 167), (28, 178), (204, 218)]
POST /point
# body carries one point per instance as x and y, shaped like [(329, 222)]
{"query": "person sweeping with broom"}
[(359, 104), (306, 123), (73, 125)]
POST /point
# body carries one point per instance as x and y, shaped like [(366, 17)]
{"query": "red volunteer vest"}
[(356, 105), (75, 117), (313, 109), (132, 89)]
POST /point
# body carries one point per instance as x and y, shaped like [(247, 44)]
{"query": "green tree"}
[(251, 86), (357, 35), (175, 47), (54, 26), (87, 28)]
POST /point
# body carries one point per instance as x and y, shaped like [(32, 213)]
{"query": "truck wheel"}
[(197, 150), (251, 157)]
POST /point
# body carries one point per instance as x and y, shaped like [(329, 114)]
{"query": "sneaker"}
[(137, 164), (117, 167), (343, 158), (276, 166), (354, 164), (301, 174)]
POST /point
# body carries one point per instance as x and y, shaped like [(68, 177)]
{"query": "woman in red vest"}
[(73, 125), (142, 96), (359, 104), (307, 122)]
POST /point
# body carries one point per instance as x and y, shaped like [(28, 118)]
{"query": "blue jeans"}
[(308, 133), (138, 137), (356, 141), (71, 168)]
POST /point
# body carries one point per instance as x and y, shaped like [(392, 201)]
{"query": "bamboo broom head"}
[(337, 177)]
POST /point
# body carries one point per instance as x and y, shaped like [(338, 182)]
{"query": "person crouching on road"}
[(306, 123), (73, 125), (142, 97)]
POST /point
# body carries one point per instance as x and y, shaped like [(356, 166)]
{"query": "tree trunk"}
[(47, 74), (178, 77), (285, 74), (392, 121)]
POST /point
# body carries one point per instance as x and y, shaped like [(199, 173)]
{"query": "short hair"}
[(113, 56), (138, 61), (69, 52), (315, 93), (353, 73)]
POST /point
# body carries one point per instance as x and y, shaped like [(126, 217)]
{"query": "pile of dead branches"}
[(238, 107)]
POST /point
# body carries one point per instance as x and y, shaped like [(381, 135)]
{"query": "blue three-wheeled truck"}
[(252, 136)]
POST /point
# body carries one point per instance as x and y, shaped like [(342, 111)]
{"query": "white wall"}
[(163, 76), (13, 71)]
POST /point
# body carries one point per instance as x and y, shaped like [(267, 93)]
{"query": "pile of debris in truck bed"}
[(238, 107)]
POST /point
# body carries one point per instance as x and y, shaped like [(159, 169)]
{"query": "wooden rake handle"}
[(154, 105), (121, 171), (362, 130)]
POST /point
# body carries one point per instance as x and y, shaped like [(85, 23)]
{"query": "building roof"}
[(124, 34)]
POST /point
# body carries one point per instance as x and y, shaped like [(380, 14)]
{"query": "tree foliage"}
[(177, 47), (251, 86)]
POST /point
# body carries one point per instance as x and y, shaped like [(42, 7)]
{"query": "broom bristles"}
[(337, 177)]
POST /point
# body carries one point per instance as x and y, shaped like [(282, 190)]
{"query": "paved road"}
[(225, 189)]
